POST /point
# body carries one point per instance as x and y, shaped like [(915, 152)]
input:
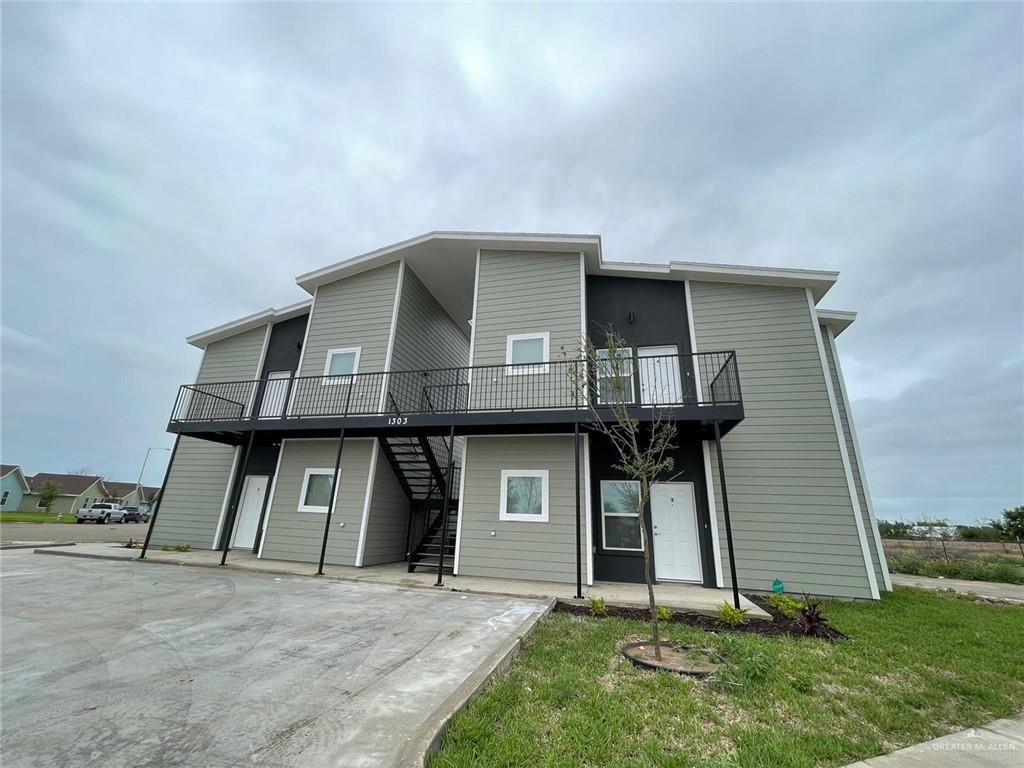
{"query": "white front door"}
[(249, 508), (674, 517), (659, 375), (274, 394)]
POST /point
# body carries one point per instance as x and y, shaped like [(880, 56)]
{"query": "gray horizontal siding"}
[(194, 497), (844, 416), (353, 312), (519, 550), (234, 359), (425, 335), (790, 504), (387, 524), (294, 535), (517, 293)]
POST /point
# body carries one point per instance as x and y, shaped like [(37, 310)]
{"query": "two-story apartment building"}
[(421, 406)]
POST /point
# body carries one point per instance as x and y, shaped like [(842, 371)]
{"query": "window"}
[(317, 485), (620, 515), (3, 499), (527, 353), (41, 504), (341, 363), (524, 495), (615, 376)]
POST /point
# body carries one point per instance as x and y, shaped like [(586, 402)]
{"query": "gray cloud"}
[(167, 168)]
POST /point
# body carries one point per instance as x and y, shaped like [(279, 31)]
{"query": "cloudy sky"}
[(170, 167)]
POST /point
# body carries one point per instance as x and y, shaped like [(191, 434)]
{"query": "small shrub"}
[(176, 548), (812, 621), (1002, 570), (598, 607), (787, 606), (664, 613), (734, 617), (909, 564)]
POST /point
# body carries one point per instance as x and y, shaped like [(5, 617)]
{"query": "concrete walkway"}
[(993, 590), (999, 744), (682, 597)]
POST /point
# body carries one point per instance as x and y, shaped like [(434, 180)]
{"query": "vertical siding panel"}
[(386, 525), (294, 535), (791, 510), (837, 388), (521, 550)]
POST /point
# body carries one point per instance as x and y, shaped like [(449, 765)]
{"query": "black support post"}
[(159, 499), (579, 525), (330, 506), (725, 513), (236, 492), (444, 506)]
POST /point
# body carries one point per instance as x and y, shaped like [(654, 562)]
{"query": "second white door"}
[(249, 508), (659, 375), (674, 518)]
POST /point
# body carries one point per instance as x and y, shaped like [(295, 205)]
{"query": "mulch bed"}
[(779, 626)]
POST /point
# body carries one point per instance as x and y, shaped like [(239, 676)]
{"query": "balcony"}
[(698, 388)]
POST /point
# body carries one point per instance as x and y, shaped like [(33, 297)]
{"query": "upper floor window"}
[(341, 362), (3, 499), (615, 376), (527, 353), (524, 495)]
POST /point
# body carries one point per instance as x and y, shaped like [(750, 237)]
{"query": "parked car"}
[(102, 512), (134, 516)]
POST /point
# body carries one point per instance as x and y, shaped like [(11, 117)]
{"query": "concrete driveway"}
[(135, 664)]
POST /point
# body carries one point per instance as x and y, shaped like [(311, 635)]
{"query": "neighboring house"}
[(125, 494), (437, 373), (13, 485), (73, 492)]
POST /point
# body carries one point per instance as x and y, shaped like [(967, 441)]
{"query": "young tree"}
[(603, 378), (48, 493), (1012, 524)]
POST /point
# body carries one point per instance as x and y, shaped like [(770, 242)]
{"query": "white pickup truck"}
[(102, 512)]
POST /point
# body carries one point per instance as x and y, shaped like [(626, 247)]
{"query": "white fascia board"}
[(380, 256), (836, 320), (248, 323)]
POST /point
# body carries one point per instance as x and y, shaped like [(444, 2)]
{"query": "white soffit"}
[(836, 319)]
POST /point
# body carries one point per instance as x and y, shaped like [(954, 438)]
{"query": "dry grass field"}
[(955, 550)]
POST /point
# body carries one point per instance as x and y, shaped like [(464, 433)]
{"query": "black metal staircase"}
[(418, 467)]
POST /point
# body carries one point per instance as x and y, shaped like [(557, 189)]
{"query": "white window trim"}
[(530, 369), (40, 503), (632, 375), (504, 514), (310, 471), (328, 380), (604, 532)]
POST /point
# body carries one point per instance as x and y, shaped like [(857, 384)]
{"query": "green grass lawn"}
[(34, 517), (918, 664)]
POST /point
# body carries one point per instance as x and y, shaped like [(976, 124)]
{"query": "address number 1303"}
[(398, 421)]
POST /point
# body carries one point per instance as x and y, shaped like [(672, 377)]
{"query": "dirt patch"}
[(683, 659), (779, 626)]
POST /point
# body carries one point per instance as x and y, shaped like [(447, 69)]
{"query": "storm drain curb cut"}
[(428, 739)]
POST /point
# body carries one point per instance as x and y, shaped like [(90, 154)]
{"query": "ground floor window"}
[(620, 515), (3, 499), (317, 486), (524, 495), (42, 504)]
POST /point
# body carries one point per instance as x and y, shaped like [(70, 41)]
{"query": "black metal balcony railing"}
[(654, 381)]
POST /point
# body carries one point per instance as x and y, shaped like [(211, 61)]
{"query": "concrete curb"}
[(88, 555), (37, 546), (427, 740)]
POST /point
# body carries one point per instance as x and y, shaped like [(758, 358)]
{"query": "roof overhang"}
[(818, 281), (248, 323), (16, 470), (836, 319)]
